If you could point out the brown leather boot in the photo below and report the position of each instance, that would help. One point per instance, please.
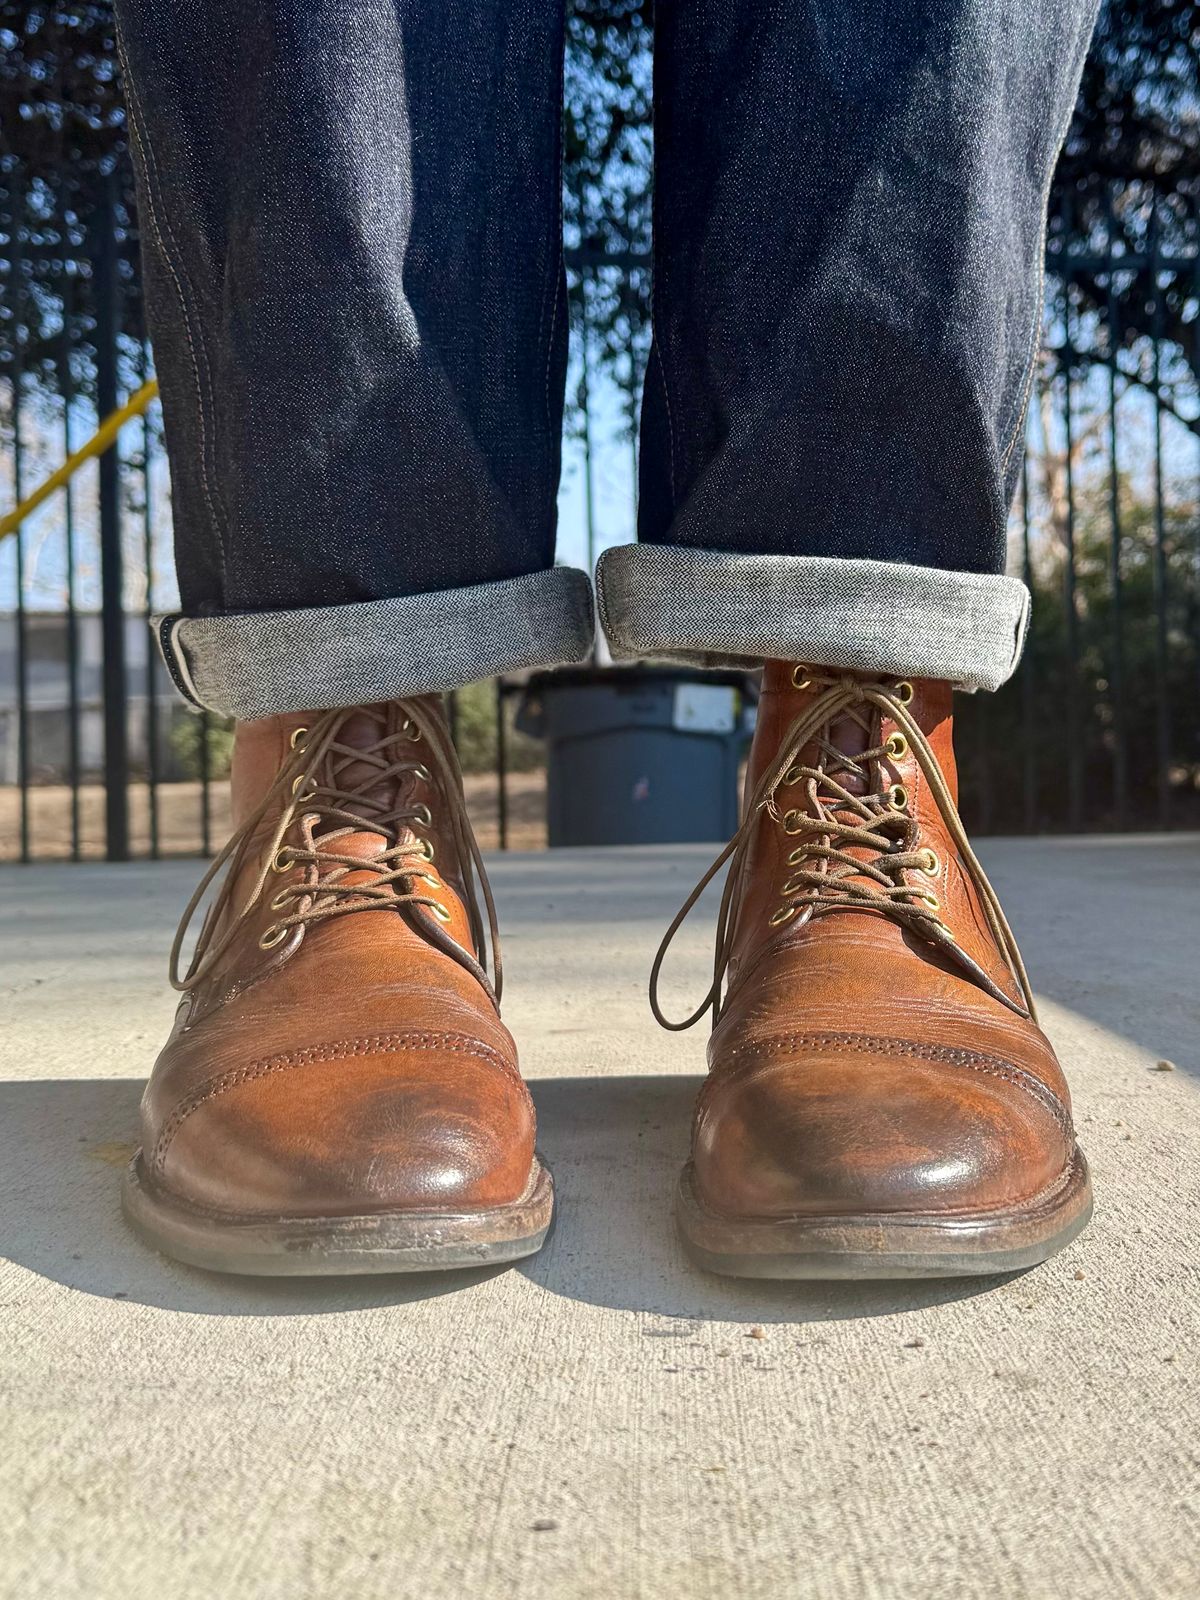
(339, 1094)
(881, 1102)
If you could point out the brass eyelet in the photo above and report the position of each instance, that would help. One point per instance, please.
(792, 887)
(787, 822)
(904, 692)
(423, 814)
(784, 914)
(792, 777)
(801, 676)
(898, 797)
(283, 900)
(427, 877)
(282, 862)
(274, 935)
(798, 855)
(932, 864)
(931, 900)
(897, 746)
(298, 737)
(441, 912)
(301, 780)
(425, 846)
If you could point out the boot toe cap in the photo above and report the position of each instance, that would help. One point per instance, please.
(863, 1134)
(355, 1128)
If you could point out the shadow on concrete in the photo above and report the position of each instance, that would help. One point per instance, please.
(64, 1143)
(615, 1145)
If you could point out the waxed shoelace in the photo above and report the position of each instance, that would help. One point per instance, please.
(324, 811)
(839, 879)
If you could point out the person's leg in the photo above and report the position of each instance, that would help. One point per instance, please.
(850, 211)
(350, 224)
(849, 207)
(350, 218)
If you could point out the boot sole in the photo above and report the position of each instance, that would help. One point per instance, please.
(886, 1245)
(385, 1241)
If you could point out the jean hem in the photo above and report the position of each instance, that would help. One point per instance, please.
(721, 609)
(259, 664)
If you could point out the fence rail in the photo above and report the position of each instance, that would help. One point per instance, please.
(1098, 730)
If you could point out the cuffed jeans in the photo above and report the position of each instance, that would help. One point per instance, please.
(351, 224)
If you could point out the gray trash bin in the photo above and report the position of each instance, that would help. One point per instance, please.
(639, 755)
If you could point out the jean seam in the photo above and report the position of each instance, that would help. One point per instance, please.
(201, 373)
(558, 271)
(662, 378)
(1018, 420)
(1030, 365)
(1022, 628)
(601, 593)
(558, 258)
(165, 633)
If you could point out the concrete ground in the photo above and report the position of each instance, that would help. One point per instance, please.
(604, 1420)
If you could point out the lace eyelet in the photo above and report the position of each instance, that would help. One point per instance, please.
(411, 731)
(787, 822)
(282, 862)
(441, 912)
(898, 797)
(282, 900)
(801, 676)
(274, 935)
(298, 737)
(301, 783)
(792, 887)
(427, 877)
(792, 777)
(784, 914)
(932, 864)
(897, 746)
(425, 846)
(422, 773)
(931, 900)
(422, 814)
(797, 856)
(904, 692)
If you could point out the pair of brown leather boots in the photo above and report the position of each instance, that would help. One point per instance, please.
(340, 1095)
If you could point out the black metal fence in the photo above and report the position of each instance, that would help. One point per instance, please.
(1099, 729)
(1101, 726)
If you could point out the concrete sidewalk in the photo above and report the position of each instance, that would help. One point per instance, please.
(604, 1421)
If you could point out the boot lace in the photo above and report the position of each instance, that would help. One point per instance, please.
(335, 789)
(871, 818)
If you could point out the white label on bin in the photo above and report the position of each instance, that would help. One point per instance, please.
(705, 708)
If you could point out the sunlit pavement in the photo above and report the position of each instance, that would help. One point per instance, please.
(604, 1421)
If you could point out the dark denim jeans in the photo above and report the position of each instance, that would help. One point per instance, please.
(351, 216)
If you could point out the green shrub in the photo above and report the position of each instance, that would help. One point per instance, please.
(188, 737)
(475, 732)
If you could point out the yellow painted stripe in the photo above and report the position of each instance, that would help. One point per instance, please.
(100, 441)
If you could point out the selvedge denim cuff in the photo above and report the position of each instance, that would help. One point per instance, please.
(257, 664)
(711, 608)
